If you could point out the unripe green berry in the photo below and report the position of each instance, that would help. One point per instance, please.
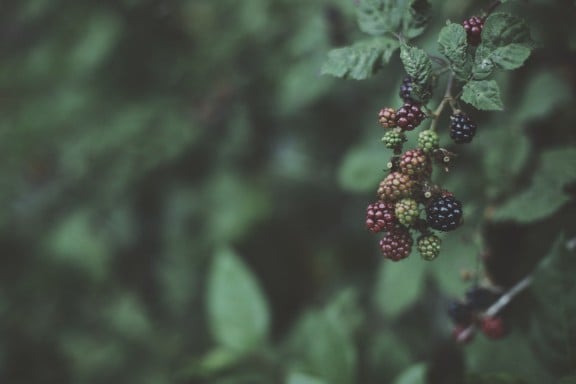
(393, 139)
(406, 211)
(429, 246)
(428, 141)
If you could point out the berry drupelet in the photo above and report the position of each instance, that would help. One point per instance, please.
(462, 128)
(380, 217)
(406, 210)
(415, 163)
(428, 246)
(409, 116)
(444, 213)
(395, 186)
(473, 27)
(428, 141)
(397, 244)
(393, 139)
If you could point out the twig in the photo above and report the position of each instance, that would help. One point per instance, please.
(446, 99)
(492, 8)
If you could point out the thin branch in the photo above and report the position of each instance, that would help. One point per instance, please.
(446, 99)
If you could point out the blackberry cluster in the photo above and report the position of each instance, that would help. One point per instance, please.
(409, 116)
(397, 244)
(444, 213)
(473, 27)
(406, 90)
(462, 128)
(465, 314)
(380, 217)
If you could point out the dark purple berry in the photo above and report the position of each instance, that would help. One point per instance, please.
(481, 298)
(460, 313)
(406, 90)
(397, 244)
(462, 128)
(380, 217)
(444, 213)
(409, 116)
(473, 27)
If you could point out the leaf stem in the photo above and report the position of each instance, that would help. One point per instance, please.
(492, 8)
(446, 99)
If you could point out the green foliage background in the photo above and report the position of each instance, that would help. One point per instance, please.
(183, 197)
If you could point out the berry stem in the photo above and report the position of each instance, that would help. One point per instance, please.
(492, 8)
(446, 99)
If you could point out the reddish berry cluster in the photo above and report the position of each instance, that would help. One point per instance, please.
(473, 27)
(469, 313)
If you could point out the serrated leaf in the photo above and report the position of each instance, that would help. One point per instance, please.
(416, 374)
(508, 57)
(501, 29)
(554, 318)
(483, 95)
(452, 44)
(361, 60)
(377, 17)
(545, 195)
(398, 285)
(237, 310)
(417, 64)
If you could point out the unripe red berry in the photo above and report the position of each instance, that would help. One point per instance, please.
(380, 217)
(395, 186)
(493, 327)
(397, 244)
(409, 116)
(387, 117)
(415, 163)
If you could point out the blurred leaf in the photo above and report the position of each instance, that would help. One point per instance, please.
(399, 285)
(505, 150)
(545, 195)
(361, 60)
(359, 171)
(127, 316)
(533, 105)
(301, 378)
(483, 95)
(494, 378)
(321, 347)
(452, 44)
(237, 310)
(501, 29)
(377, 17)
(568, 380)
(417, 64)
(416, 374)
(554, 319)
(382, 362)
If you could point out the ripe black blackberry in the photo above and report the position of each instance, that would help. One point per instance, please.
(409, 116)
(462, 128)
(397, 244)
(460, 313)
(480, 298)
(444, 213)
(380, 217)
(473, 27)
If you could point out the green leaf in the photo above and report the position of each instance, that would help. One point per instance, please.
(533, 105)
(545, 195)
(377, 17)
(398, 285)
(508, 57)
(417, 64)
(237, 310)
(483, 95)
(494, 378)
(301, 378)
(452, 44)
(322, 348)
(554, 318)
(416, 374)
(361, 60)
(361, 168)
(501, 29)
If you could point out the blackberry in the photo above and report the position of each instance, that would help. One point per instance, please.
(406, 210)
(462, 128)
(444, 213)
(393, 139)
(395, 186)
(428, 246)
(387, 117)
(493, 327)
(409, 116)
(397, 244)
(473, 27)
(460, 313)
(380, 217)
(406, 90)
(415, 163)
(428, 141)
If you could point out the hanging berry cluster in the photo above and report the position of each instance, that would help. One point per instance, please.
(408, 200)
